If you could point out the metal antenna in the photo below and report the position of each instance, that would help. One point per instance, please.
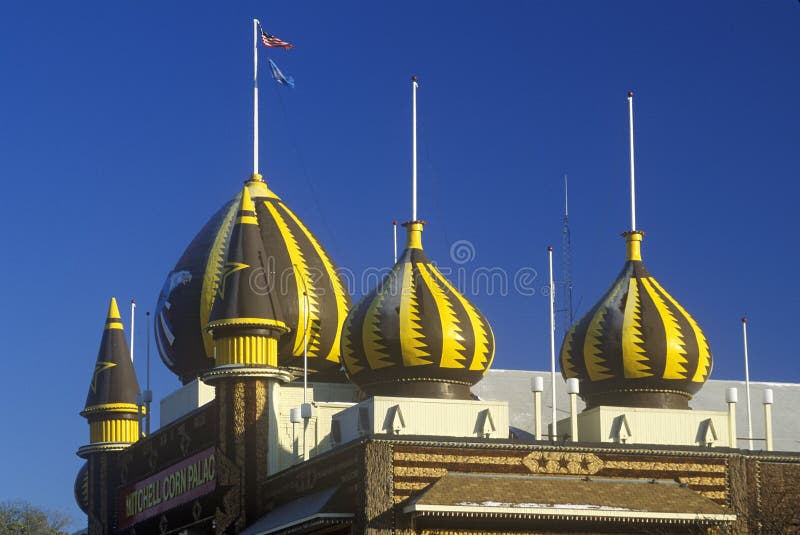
(148, 394)
(566, 261)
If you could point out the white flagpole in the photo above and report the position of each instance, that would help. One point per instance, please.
(133, 321)
(414, 86)
(394, 225)
(255, 96)
(747, 384)
(554, 434)
(633, 181)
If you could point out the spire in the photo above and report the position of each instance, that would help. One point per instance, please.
(244, 308)
(113, 380)
(111, 402)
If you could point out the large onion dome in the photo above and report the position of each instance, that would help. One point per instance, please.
(299, 263)
(81, 488)
(415, 334)
(637, 347)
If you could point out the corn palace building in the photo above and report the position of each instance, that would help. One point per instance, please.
(391, 434)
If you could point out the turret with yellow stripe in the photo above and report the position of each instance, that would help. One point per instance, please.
(637, 347)
(246, 319)
(111, 403)
(299, 263)
(415, 334)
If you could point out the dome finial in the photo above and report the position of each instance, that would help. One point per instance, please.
(414, 86)
(633, 175)
(633, 244)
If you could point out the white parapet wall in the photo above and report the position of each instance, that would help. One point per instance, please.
(421, 416)
(631, 425)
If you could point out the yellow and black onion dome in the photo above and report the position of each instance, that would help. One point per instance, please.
(81, 488)
(414, 334)
(637, 347)
(187, 297)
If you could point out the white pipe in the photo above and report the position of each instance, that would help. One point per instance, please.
(537, 386)
(414, 86)
(255, 96)
(633, 181)
(731, 397)
(133, 324)
(305, 345)
(768, 399)
(554, 434)
(747, 384)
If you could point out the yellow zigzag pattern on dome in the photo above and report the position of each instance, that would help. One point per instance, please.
(482, 358)
(306, 284)
(591, 345)
(412, 344)
(634, 359)
(704, 356)
(374, 348)
(674, 367)
(348, 351)
(566, 357)
(212, 273)
(452, 335)
(336, 284)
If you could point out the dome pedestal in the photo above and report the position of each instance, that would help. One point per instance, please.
(651, 400)
(426, 389)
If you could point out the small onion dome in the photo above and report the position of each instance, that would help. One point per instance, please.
(81, 488)
(246, 318)
(188, 295)
(637, 347)
(111, 403)
(414, 334)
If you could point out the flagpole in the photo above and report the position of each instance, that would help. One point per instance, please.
(747, 384)
(255, 96)
(414, 86)
(133, 323)
(554, 433)
(394, 225)
(633, 181)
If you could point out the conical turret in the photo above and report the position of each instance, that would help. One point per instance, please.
(111, 402)
(246, 319)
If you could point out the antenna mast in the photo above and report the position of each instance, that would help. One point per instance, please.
(566, 261)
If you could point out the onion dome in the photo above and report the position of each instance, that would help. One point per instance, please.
(111, 403)
(81, 488)
(637, 347)
(188, 295)
(415, 334)
(246, 318)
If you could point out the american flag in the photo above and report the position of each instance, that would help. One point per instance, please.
(273, 42)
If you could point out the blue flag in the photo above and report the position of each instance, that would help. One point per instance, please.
(278, 76)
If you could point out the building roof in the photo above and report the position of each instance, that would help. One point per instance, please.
(542, 497)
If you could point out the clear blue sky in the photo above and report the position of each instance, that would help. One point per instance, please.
(125, 125)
